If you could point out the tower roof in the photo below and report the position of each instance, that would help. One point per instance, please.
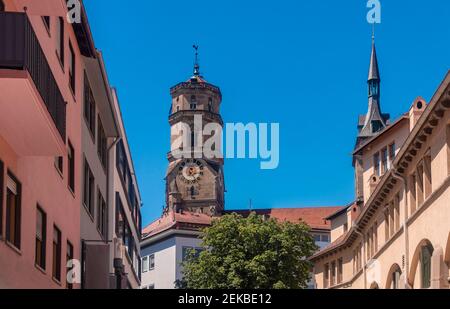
(374, 121)
(196, 81)
(374, 72)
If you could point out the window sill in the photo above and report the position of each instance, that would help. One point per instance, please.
(59, 171)
(72, 92)
(42, 270)
(60, 62)
(14, 248)
(101, 162)
(58, 282)
(88, 212)
(71, 191)
(86, 122)
(101, 234)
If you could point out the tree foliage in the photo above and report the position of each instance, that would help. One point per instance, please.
(251, 253)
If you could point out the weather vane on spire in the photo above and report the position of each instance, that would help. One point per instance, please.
(196, 65)
(373, 31)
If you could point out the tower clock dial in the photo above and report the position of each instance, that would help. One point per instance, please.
(191, 171)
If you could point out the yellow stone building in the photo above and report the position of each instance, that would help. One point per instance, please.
(397, 233)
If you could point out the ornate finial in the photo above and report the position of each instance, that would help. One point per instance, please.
(196, 65)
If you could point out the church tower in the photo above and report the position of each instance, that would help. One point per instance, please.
(194, 180)
(372, 123)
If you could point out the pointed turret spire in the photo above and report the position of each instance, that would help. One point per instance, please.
(374, 72)
(374, 121)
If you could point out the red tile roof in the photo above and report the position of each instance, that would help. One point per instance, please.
(172, 220)
(313, 216)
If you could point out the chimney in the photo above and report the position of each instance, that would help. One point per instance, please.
(416, 110)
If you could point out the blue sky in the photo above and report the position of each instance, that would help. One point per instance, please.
(302, 64)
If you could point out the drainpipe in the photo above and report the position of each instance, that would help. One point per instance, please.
(364, 256)
(117, 263)
(402, 178)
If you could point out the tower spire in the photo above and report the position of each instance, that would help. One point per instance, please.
(374, 72)
(374, 120)
(196, 65)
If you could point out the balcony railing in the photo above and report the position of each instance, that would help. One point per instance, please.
(20, 50)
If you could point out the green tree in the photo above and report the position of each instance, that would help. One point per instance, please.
(250, 253)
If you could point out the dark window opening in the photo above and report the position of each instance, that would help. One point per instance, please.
(210, 105)
(46, 20)
(192, 140)
(69, 258)
(71, 171)
(101, 215)
(60, 43)
(72, 68)
(56, 253)
(376, 163)
(425, 263)
(59, 164)
(101, 143)
(89, 106)
(376, 126)
(13, 211)
(193, 102)
(41, 230)
(88, 192)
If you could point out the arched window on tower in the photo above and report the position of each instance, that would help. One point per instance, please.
(210, 104)
(193, 102)
(192, 191)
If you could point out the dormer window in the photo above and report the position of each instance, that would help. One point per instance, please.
(193, 102)
(376, 126)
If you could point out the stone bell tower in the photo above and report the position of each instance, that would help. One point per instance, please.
(194, 179)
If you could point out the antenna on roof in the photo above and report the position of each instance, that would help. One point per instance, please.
(250, 205)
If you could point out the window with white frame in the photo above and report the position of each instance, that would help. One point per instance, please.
(151, 262)
(145, 264)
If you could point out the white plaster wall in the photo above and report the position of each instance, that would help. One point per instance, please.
(163, 276)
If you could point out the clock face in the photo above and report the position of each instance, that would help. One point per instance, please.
(191, 171)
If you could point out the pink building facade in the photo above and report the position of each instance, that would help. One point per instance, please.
(44, 147)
